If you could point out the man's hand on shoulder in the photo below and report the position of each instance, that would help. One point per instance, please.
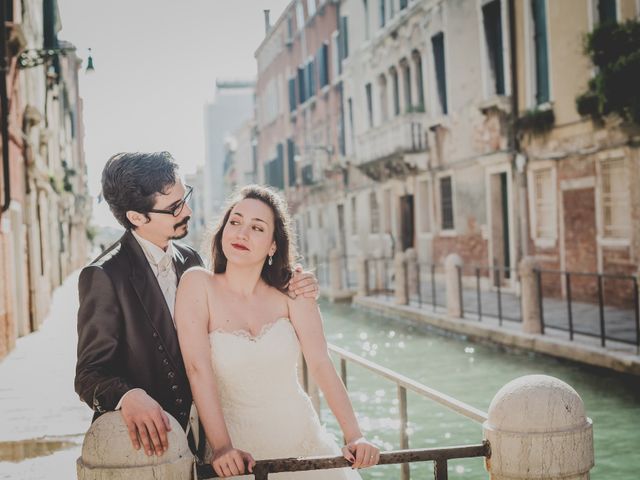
(146, 422)
(303, 283)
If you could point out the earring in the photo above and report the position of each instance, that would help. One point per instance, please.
(270, 262)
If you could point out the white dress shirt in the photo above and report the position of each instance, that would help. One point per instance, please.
(161, 263)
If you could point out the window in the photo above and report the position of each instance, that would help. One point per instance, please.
(344, 40)
(417, 61)
(292, 94)
(616, 205)
(384, 108)
(300, 15)
(403, 4)
(544, 204)
(322, 60)
(381, 7)
(291, 161)
(274, 169)
(374, 210)
(446, 203)
(369, 104)
(492, 20)
(437, 43)
(424, 212)
(354, 217)
(396, 91)
(366, 19)
(301, 86)
(539, 15)
(406, 78)
(311, 8)
(607, 12)
(289, 28)
(335, 55)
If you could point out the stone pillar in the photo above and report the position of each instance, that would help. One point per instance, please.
(107, 453)
(537, 428)
(531, 322)
(335, 271)
(363, 276)
(411, 257)
(400, 271)
(451, 265)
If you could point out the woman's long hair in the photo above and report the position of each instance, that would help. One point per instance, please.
(279, 273)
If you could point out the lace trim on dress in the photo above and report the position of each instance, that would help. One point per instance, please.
(242, 333)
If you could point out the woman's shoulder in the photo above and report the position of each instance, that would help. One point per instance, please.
(196, 275)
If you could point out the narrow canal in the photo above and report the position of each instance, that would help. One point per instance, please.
(472, 373)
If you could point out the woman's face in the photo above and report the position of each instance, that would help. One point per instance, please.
(247, 237)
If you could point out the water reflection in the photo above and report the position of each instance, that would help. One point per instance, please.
(18, 451)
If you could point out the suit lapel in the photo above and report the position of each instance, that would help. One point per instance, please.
(179, 262)
(151, 298)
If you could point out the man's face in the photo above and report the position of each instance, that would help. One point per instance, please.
(163, 227)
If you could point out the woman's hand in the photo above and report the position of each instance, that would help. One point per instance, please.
(361, 453)
(229, 461)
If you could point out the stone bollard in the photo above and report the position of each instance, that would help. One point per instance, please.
(411, 257)
(335, 271)
(531, 321)
(363, 276)
(538, 429)
(451, 265)
(400, 271)
(107, 454)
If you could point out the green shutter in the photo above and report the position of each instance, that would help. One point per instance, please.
(493, 34)
(291, 161)
(607, 11)
(538, 8)
(437, 43)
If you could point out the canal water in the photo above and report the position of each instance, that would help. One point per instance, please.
(472, 373)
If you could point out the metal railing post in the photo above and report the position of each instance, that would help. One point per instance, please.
(440, 469)
(569, 309)
(499, 298)
(433, 285)
(419, 282)
(601, 309)
(478, 294)
(404, 438)
(540, 301)
(636, 302)
(460, 293)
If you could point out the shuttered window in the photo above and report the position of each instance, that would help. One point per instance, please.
(301, 85)
(369, 104)
(616, 204)
(539, 15)
(291, 162)
(607, 11)
(437, 44)
(322, 61)
(446, 203)
(292, 94)
(492, 19)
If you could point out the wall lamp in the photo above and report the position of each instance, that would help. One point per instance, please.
(38, 56)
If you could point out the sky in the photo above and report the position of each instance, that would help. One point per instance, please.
(156, 63)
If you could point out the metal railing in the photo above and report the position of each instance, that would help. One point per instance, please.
(615, 297)
(428, 289)
(404, 456)
(495, 301)
(380, 276)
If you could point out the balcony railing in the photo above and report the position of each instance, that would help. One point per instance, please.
(403, 134)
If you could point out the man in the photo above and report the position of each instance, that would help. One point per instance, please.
(128, 353)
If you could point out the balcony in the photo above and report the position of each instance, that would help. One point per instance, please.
(395, 149)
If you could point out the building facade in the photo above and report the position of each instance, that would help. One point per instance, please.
(44, 226)
(456, 130)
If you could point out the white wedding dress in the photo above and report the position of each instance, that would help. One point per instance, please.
(266, 411)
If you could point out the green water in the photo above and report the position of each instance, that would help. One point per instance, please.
(472, 373)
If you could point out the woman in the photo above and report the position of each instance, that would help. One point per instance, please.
(242, 360)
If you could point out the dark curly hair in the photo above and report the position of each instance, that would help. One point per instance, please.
(132, 181)
(279, 273)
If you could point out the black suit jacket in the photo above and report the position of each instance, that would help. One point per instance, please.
(126, 336)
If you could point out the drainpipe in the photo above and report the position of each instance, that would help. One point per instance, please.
(4, 120)
(515, 141)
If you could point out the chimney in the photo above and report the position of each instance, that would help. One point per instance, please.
(267, 22)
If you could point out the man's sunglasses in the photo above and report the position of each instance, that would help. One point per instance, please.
(177, 208)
